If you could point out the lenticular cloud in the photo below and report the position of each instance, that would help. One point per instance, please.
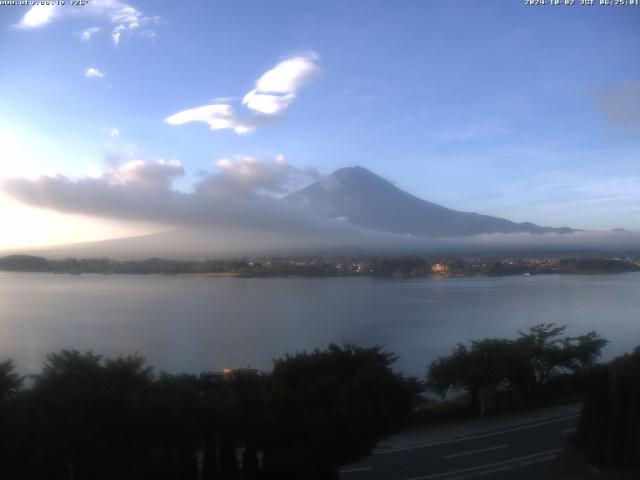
(274, 92)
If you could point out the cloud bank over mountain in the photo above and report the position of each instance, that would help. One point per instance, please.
(243, 208)
(242, 193)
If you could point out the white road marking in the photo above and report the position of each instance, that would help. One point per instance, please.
(548, 456)
(473, 437)
(475, 451)
(351, 470)
(571, 430)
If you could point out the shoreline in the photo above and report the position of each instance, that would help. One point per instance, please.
(299, 276)
(402, 267)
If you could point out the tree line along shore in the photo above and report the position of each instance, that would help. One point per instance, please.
(85, 416)
(340, 266)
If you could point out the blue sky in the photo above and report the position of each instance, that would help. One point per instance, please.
(529, 113)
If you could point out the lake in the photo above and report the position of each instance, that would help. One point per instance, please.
(191, 324)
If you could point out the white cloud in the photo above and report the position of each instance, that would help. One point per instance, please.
(244, 174)
(149, 35)
(39, 15)
(289, 75)
(117, 32)
(247, 176)
(148, 175)
(111, 131)
(86, 35)
(267, 104)
(218, 116)
(223, 99)
(94, 73)
(125, 17)
(275, 91)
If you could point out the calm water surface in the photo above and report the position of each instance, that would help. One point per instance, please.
(193, 323)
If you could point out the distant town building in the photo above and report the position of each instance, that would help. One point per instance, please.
(439, 268)
(229, 372)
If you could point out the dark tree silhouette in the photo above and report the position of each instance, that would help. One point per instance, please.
(250, 464)
(487, 364)
(10, 382)
(11, 433)
(86, 417)
(210, 459)
(524, 366)
(609, 427)
(331, 407)
(229, 467)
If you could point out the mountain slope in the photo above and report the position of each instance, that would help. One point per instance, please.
(369, 201)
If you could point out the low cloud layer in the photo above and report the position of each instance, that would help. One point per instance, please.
(237, 209)
(242, 193)
(274, 92)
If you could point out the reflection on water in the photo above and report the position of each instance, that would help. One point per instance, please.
(195, 323)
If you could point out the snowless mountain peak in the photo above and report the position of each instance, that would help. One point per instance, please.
(369, 201)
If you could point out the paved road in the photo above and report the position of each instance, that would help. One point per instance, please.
(520, 451)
